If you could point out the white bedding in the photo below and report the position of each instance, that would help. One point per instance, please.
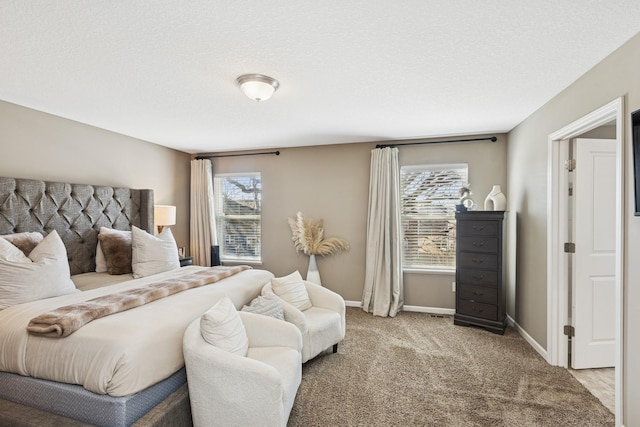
(88, 281)
(123, 353)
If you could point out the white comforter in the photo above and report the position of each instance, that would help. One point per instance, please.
(123, 353)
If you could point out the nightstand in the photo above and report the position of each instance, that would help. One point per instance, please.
(184, 261)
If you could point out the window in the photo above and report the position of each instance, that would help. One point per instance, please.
(429, 195)
(238, 205)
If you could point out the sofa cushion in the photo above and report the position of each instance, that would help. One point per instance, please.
(324, 326)
(287, 362)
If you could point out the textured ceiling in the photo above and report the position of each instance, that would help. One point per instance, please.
(164, 71)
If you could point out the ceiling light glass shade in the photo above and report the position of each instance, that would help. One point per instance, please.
(257, 86)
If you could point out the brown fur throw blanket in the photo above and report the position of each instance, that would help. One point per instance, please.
(64, 321)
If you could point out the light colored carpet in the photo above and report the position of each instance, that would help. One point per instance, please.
(421, 370)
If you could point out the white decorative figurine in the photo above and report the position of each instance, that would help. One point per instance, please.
(495, 201)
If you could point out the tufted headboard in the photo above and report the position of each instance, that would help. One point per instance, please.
(75, 211)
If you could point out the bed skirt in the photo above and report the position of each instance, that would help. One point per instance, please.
(73, 401)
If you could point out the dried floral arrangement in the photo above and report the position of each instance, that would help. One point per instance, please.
(308, 237)
(465, 190)
(465, 198)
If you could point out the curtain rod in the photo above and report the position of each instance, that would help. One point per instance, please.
(492, 139)
(277, 153)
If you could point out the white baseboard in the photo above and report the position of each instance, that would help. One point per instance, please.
(528, 338)
(420, 309)
(432, 310)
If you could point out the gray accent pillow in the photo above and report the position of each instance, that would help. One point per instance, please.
(267, 305)
(117, 252)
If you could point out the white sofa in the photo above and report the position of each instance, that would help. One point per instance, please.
(322, 325)
(257, 390)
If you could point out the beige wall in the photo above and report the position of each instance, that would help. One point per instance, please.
(618, 75)
(37, 145)
(332, 183)
(487, 167)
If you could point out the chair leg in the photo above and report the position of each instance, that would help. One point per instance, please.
(335, 348)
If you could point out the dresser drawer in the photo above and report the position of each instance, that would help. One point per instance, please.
(478, 309)
(478, 294)
(477, 260)
(470, 276)
(479, 244)
(477, 228)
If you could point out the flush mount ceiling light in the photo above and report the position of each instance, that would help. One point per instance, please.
(257, 86)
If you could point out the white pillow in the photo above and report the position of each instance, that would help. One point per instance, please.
(267, 305)
(43, 274)
(221, 326)
(25, 241)
(291, 289)
(153, 254)
(10, 253)
(101, 261)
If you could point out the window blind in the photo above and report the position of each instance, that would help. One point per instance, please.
(238, 206)
(429, 195)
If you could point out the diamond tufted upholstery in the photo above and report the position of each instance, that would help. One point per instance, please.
(75, 211)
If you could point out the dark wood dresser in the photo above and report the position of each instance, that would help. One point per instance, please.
(480, 276)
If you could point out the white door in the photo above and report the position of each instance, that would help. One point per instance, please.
(593, 284)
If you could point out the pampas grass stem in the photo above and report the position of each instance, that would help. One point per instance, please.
(308, 237)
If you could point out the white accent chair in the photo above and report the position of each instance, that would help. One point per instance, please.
(257, 390)
(322, 325)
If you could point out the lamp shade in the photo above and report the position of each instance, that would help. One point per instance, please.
(257, 86)
(164, 215)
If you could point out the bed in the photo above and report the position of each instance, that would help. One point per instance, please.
(119, 370)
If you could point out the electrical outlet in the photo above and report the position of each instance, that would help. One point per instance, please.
(453, 286)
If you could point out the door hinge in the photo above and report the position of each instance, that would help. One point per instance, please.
(570, 191)
(570, 248)
(570, 165)
(569, 330)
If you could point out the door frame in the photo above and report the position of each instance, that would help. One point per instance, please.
(557, 232)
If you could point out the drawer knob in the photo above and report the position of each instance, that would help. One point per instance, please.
(477, 245)
(477, 310)
(478, 277)
(478, 227)
(477, 293)
(477, 261)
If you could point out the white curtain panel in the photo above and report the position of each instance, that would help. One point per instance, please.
(383, 287)
(203, 221)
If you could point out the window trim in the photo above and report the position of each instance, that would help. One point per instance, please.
(414, 270)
